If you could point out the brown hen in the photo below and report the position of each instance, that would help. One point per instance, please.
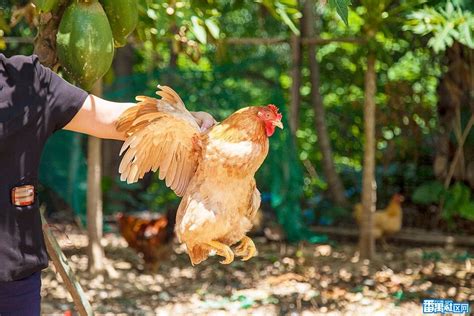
(213, 171)
(150, 237)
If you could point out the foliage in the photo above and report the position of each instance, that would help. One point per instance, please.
(406, 107)
(428, 193)
(284, 10)
(445, 25)
(457, 199)
(341, 7)
(185, 44)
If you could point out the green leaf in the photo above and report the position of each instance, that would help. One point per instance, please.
(212, 28)
(428, 193)
(467, 211)
(342, 9)
(286, 19)
(198, 30)
(441, 40)
(466, 35)
(457, 196)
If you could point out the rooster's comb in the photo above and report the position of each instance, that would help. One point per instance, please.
(275, 110)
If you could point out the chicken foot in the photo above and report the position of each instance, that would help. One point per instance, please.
(222, 250)
(246, 249)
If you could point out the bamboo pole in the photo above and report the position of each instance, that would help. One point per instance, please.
(459, 151)
(283, 40)
(417, 236)
(18, 40)
(243, 40)
(256, 41)
(62, 267)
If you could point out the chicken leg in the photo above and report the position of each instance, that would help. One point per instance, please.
(246, 249)
(222, 250)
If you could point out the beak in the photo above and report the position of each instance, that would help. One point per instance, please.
(278, 124)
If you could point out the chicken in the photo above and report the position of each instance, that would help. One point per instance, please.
(150, 237)
(387, 221)
(213, 171)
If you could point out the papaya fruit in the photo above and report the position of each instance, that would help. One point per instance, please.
(123, 18)
(46, 5)
(85, 43)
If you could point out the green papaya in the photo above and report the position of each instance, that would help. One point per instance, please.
(85, 43)
(123, 18)
(46, 5)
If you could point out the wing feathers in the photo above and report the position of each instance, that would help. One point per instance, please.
(162, 137)
(170, 96)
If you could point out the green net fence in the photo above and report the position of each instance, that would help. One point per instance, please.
(219, 91)
(63, 169)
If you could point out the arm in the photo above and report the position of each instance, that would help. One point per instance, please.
(97, 118)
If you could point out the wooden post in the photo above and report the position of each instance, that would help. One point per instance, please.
(94, 199)
(369, 186)
(60, 262)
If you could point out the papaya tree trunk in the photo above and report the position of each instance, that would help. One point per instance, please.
(45, 41)
(335, 187)
(369, 186)
(94, 199)
(123, 69)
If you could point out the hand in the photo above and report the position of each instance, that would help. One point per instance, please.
(204, 120)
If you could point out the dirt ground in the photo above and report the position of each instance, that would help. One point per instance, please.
(283, 279)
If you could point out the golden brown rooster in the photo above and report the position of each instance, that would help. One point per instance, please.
(214, 171)
(387, 221)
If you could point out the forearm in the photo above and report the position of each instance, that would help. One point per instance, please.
(97, 118)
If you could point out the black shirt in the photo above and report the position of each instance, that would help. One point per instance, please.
(34, 103)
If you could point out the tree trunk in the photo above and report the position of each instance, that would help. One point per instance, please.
(123, 68)
(295, 98)
(455, 105)
(369, 186)
(45, 41)
(335, 187)
(94, 199)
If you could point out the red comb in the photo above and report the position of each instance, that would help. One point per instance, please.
(275, 110)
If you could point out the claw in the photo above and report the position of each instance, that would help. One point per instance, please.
(246, 249)
(222, 250)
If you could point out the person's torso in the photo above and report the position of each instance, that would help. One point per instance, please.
(22, 137)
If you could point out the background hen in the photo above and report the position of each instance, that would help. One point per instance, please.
(151, 237)
(387, 221)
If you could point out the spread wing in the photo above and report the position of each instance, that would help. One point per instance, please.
(161, 134)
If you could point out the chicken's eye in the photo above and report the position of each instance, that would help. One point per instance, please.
(267, 115)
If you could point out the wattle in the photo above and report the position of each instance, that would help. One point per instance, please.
(269, 129)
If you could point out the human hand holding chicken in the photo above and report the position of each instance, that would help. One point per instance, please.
(213, 170)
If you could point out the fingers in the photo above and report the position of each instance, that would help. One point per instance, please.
(204, 120)
(207, 124)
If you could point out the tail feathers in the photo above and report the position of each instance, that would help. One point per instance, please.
(198, 254)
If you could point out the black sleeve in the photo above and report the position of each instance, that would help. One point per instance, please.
(63, 100)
